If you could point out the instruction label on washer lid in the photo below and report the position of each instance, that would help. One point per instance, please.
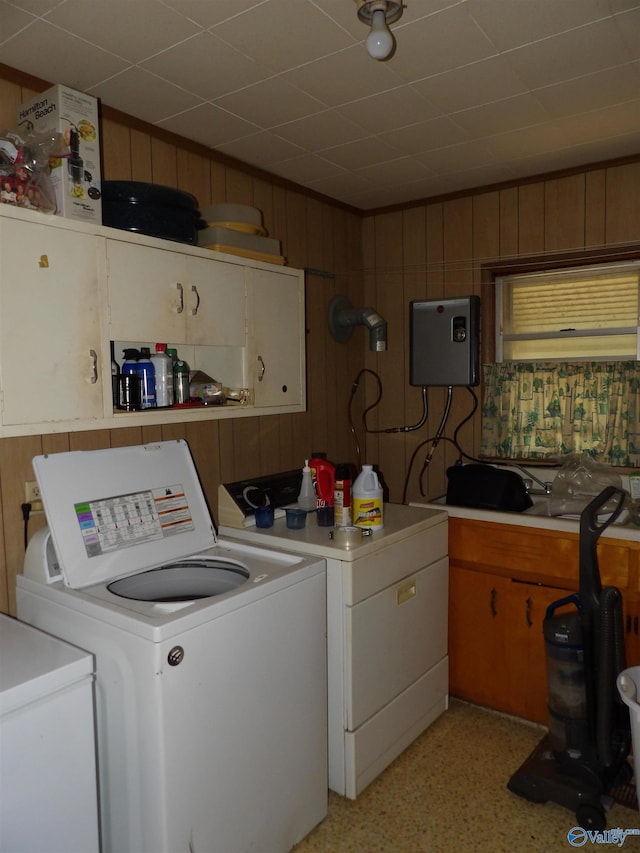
(634, 486)
(110, 524)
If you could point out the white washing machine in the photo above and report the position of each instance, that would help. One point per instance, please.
(211, 696)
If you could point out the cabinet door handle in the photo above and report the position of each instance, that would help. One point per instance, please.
(405, 592)
(194, 289)
(180, 307)
(528, 612)
(262, 368)
(94, 366)
(493, 602)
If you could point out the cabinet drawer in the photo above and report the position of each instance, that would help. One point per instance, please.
(535, 554)
(367, 575)
(393, 638)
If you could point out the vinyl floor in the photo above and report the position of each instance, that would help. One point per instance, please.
(447, 794)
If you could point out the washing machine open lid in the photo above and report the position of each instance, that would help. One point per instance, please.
(118, 511)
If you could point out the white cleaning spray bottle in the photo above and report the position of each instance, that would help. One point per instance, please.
(307, 493)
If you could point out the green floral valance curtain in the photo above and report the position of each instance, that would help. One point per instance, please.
(537, 410)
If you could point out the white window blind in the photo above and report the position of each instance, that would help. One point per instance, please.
(581, 313)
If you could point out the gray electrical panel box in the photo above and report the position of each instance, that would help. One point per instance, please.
(445, 341)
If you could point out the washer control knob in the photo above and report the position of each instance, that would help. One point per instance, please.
(175, 656)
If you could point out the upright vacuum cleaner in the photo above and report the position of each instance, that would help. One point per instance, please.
(584, 754)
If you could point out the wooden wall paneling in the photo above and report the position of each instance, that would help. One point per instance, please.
(227, 452)
(238, 187)
(390, 365)
(486, 245)
(116, 151)
(272, 452)
(458, 279)
(509, 221)
(414, 287)
(564, 220)
(94, 439)
(623, 204)
(202, 438)
(296, 229)
(321, 348)
(529, 221)
(141, 159)
(218, 182)
(16, 455)
(164, 165)
(486, 230)
(193, 176)
(280, 216)
(427, 481)
(594, 223)
(263, 199)
(11, 97)
(248, 459)
(130, 436)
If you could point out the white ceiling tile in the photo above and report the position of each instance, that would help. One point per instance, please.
(12, 20)
(471, 85)
(344, 77)
(440, 42)
(66, 60)
(457, 158)
(572, 97)
(319, 131)
(260, 149)
(207, 13)
(591, 48)
(305, 34)
(542, 138)
(133, 30)
(130, 90)
(352, 155)
(394, 172)
(426, 135)
(208, 125)
(618, 120)
(499, 116)
(206, 66)
(389, 110)
(511, 23)
(270, 103)
(309, 167)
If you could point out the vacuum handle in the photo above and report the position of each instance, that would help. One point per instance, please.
(590, 528)
(569, 599)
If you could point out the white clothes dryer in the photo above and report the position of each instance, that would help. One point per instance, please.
(211, 696)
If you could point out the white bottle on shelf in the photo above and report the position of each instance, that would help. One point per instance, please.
(163, 366)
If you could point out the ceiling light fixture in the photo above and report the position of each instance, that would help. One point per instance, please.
(379, 14)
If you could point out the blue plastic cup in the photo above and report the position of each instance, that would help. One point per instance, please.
(296, 518)
(264, 516)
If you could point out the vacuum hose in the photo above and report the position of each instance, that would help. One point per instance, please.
(612, 736)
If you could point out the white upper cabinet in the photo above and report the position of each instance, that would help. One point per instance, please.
(51, 348)
(68, 289)
(160, 295)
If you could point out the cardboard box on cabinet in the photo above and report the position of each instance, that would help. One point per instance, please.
(76, 178)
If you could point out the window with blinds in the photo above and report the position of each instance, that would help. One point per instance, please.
(573, 314)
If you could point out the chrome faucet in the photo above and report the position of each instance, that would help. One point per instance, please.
(530, 478)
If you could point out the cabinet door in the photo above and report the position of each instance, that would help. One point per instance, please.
(50, 342)
(631, 622)
(215, 303)
(477, 632)
(276, 315)
(147, 293)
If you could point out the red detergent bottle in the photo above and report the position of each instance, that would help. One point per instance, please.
(323, 474)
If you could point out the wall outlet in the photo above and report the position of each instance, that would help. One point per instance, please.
(32, 496)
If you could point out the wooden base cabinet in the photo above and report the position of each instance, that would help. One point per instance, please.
(502, 580)
(496, 644)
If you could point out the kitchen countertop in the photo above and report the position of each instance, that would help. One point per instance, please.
(627, 532)
(397, 518)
